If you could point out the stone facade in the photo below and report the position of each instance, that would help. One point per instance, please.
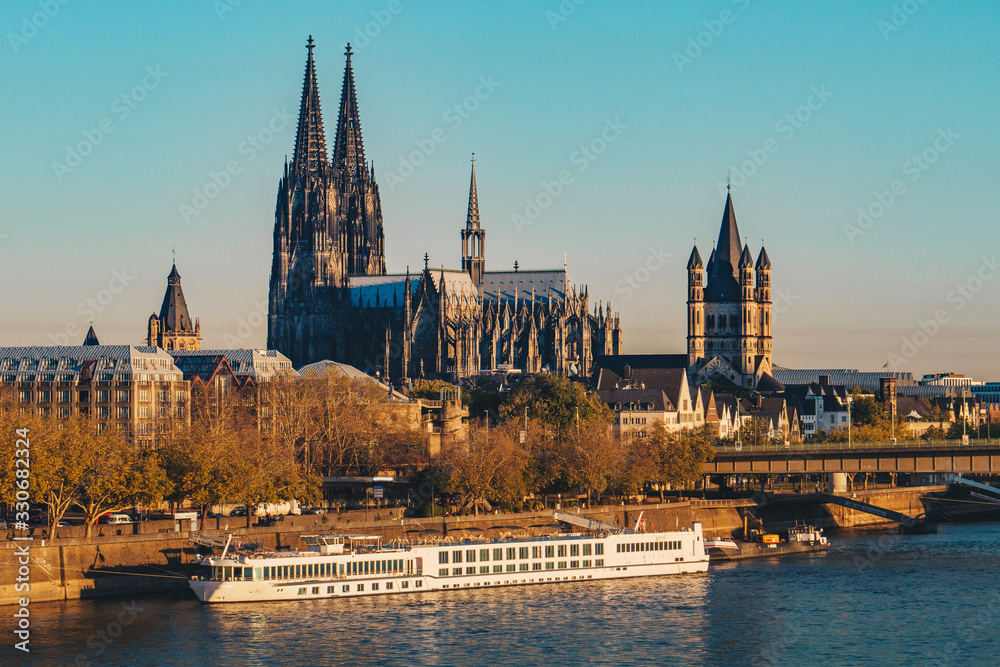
(332, 299)
(729, 319)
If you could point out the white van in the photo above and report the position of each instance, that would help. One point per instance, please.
(115, 518)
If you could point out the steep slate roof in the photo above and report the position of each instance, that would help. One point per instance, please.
(456, 282)
(503, 285)
(694, 261)
(174, 311)
(639, 399)
(91, 338)
(763, 261)
(723, 275)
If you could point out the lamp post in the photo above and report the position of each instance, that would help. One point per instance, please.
(850, 399)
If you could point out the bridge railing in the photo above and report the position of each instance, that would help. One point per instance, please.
(859, 446)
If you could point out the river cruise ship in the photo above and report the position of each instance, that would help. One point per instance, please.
(335, 566)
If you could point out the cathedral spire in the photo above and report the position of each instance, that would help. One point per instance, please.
(310, 140)
(472, 218)
(348, 149)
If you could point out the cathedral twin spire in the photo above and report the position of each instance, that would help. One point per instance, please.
(310, 140)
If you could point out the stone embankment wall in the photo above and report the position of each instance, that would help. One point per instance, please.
(154, 556)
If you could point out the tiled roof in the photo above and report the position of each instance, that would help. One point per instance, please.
(636, 399)
(844, 377)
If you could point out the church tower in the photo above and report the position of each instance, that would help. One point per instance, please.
(327, 226)
(696, 308)
(474, 236)
(729, 323)
(172, 329)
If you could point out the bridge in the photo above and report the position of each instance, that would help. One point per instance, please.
(932, 456)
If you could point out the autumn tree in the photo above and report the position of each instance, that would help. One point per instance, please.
(491, 466)
(592, 456)
(677, 458)
(557, 402)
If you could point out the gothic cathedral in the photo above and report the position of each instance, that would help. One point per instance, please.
(331, 298)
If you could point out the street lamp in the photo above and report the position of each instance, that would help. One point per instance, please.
(850, 399)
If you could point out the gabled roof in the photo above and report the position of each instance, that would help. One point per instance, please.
(504, 285)
(637, 399)
(205, 367)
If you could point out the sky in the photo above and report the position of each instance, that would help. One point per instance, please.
(861, 141)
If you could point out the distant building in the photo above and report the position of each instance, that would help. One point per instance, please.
(947, 380)
(132, 388)
(173, 329)
(330, 296)
(729, 318)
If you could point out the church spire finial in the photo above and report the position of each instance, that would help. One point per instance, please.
(729, 180)
(310, 139)
(472, 217)
(348, 148)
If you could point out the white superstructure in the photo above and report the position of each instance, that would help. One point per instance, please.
(336, 566)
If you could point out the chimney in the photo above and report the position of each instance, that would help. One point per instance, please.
(824, 380)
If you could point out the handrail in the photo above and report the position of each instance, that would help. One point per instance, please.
(808, 447)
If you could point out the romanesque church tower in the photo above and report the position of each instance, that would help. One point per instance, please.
(729, 318)
(327, 226)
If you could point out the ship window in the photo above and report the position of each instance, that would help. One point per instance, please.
(536, 552)
(470, 570)
(522, 553)
(562, 551)
(361, 588)
(309, 570)
(550, 551)
(443, 558)
(258, 573)
(562, 565)
(405, 584)
(419, 584)
(470, 556)
(315, 590)
(374, 587)
(511, 568)
(298, 571)
(574, 550)
(456, 571)
(346, 588)
(599, 562)
(388, 585)
(498, 568)
(511, 553)
(227, 573)
(484, 569)
(618, 548)
(586, 563)
(550, 566)
(456, 556)
(599, 549)
(329, 590)
(443, 572)
(523, 567)
(574, 563)
(536, 566)
(586, 549)
(484, 554)
(302, 591)
(642, 546)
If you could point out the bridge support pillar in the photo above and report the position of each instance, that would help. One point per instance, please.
(838, 482)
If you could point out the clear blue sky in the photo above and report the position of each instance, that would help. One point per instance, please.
(199, 80)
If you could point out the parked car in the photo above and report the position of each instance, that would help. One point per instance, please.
(38, 516)
(239, 511)
(114, 517)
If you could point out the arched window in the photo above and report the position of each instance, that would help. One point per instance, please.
(722, 321)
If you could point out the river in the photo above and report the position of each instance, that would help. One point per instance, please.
(873, 599)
